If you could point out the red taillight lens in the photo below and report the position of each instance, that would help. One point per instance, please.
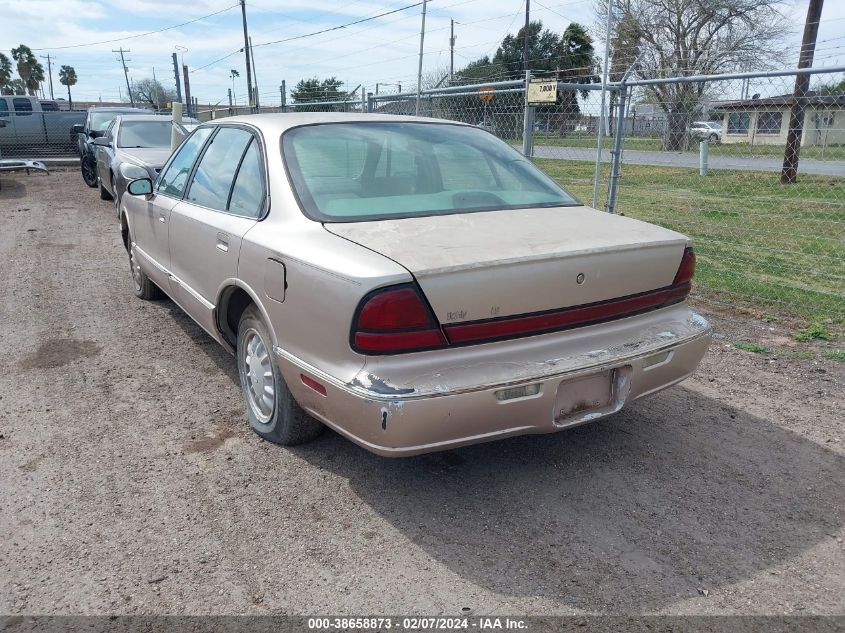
(687, 268)
(395, 320)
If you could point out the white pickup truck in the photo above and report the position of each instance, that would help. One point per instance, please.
(30, 125)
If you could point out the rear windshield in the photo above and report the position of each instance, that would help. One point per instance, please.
(144, 134)
(347, 172)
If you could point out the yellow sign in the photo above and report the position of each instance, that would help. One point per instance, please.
(485, 93)
(542, 91)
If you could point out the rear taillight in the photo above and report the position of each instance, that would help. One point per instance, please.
(687, 268)
(393, 320)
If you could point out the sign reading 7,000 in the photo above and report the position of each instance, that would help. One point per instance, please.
(542, 92)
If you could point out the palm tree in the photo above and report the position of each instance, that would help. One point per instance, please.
(29, 68)
(5, 73)
(67, 77)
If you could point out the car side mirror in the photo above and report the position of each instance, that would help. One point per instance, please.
(95, 133)
(102, 141)
(140, 187)
(78, 128)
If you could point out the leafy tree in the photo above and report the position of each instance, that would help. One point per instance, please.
(16, 87)
(832, 88)
(479, 71)
(152, 92)
(694, 37)
(67, 77)
(575, 62)
(315, 90)
(29, 68)
(5, 73)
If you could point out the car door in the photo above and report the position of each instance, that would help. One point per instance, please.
(105, 153)
(150, 219)
(224, 200)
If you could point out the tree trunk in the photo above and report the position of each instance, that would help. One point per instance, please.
(69, 100)
(676, 138)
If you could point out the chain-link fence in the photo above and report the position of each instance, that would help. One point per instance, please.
(701, 155)
(28, 132)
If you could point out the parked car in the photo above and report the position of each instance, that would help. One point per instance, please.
(414, 284)
(708, 130)
(96, 122)
(133, 146)
(27, 122)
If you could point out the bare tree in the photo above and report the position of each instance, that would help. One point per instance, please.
(681, 38)
(152, 92)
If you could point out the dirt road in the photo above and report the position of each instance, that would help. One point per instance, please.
(130, 482)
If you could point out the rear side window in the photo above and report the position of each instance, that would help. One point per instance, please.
(4, 108)
(215, 172)
(174, 176)
(23, 107)
(247, 197)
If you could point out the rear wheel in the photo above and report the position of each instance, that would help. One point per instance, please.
(271, 409)
(714, 138)
(89, 170)
(143, 287)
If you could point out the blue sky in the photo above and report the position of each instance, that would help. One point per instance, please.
(383, 50)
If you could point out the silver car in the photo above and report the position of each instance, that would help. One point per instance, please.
(132, 146)
(706, 130)
(414, 284)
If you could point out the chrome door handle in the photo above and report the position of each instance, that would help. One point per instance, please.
(162, 219)
(223, 242)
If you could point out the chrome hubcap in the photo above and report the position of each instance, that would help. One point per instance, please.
(260, 383)
(136, 269)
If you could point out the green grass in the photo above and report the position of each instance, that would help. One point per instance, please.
(797, 354)
(813, 332)
(775, 248)
(835, 354)
(655, 144)
(745, 346)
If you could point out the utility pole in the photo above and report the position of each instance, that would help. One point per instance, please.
(187, 88)
(246, 53)
(254, 75)
(527, 124)
(452, 52)
(176, 76)
(125, 73)
(230, 101)
(49, 72)
(419, 68)
(791, 154)
(283, 90)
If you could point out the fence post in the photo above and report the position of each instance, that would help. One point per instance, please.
(616, 153)
(527, 123)
(703, 151)
(370, 102)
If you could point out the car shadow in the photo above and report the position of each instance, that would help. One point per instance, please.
(676, 496)
(11, 188)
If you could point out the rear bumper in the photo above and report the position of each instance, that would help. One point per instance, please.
(417, 403)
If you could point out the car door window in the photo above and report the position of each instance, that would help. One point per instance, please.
(174, 176)
(23, 107)
(247, 197)
(215, 171)
(4, 108)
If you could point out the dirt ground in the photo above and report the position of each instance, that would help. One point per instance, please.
(130, 482)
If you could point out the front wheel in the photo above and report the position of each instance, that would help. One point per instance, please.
(271, 409)
(89, 171)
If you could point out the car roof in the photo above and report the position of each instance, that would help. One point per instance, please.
(275, 124)
(144, 117)
(113, 109)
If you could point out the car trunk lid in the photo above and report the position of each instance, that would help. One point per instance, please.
(489, 265)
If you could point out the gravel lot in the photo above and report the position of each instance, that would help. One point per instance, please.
(130, 482)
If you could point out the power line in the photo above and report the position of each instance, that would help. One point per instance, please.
(132, 37)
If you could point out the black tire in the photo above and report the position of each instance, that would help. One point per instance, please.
(287, 424)
(104, 193)
(143, 287)
(89, 171)
(714, 138)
